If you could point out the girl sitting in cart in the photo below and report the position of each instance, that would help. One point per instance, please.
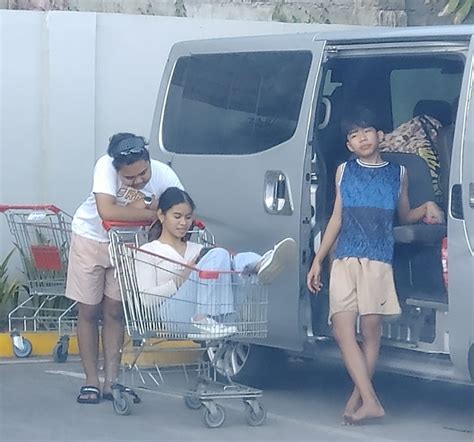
(190, 305)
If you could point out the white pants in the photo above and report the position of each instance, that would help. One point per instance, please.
(213, 296)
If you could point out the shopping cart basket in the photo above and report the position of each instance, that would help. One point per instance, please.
(209, 308)
(42, 235)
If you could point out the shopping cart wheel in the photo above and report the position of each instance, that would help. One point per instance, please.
(192, 402)
(23, 350)
(60, 353)
(255, 413)
(214, 416)
(122, 404)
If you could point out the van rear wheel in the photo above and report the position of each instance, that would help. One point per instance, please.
(247, 363)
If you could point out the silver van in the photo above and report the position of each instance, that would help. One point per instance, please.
(252, 127)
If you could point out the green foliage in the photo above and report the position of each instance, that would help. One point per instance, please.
(8, 289)
(459, 8)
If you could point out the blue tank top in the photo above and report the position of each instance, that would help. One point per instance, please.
(369, 196)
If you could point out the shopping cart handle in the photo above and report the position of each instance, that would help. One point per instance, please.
(199, 224)
(6, 207)
(109, 225)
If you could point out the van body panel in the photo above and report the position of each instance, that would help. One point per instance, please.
(238, 214)
(461, 231)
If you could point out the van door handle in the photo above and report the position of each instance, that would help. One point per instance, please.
(471, 195)
(277, 198)
(456, 201)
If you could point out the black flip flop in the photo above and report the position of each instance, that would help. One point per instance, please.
(107, 396)
(92, 392)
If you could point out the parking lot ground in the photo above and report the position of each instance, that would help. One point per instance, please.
(38, 402)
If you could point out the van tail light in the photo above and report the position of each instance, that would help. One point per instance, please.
(444, 260)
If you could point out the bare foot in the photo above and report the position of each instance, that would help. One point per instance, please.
(367, 412)
(352, 405)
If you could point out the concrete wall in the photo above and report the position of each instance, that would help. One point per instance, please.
(365, 12)
(70, 80)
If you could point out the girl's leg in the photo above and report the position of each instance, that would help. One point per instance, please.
(176, 312)
(215, 297)
(241, 260)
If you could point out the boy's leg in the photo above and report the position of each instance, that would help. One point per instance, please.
(86, 277)
(355, 362)
(88, 342)
(371, 329)
(112, 340)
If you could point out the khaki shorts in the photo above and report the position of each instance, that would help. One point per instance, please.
(90, 274)
(363, 286)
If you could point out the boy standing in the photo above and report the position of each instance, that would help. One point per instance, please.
(368, 191)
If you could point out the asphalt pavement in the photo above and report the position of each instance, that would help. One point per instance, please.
(304, 402)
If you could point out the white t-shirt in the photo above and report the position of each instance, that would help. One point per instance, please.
(159, 275)
(87, 222)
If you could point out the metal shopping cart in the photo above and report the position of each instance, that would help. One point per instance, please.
(160, 314)
(42, 235)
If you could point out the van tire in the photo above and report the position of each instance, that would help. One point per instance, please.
(251, 364)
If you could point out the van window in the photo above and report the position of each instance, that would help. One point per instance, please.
(410, 86)
(234, 104)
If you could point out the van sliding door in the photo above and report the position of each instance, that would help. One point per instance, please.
(232, 119)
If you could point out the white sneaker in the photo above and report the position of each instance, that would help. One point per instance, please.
(275, 260)
(209, 329)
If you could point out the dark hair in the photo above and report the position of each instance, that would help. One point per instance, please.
(359, 118)
(126, 148)
(173, 196)
(169, 198)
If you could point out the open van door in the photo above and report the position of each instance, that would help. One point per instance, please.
(232, 119)
(461, 228)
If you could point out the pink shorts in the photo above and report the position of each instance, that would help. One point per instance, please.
(90, 274)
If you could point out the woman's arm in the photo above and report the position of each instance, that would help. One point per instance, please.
(147, 277)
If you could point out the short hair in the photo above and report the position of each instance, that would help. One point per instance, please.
(359, 118)
(126, 148)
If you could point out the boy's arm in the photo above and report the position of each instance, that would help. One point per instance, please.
(430, 212)
(110, 211)
(330, 235)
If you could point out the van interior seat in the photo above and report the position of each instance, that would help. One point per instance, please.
(420, 190)
(439, 109)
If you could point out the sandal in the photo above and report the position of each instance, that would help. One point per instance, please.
(89, 395)
(107, 396)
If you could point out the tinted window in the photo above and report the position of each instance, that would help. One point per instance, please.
(412, 87)
(237, 103)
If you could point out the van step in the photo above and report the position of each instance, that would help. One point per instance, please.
(435, 305)
(395, 360)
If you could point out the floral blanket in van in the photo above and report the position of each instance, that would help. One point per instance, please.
(417, 136)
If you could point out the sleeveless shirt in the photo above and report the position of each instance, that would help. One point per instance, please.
(369, 194)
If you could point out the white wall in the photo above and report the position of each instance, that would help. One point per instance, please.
(69, 80)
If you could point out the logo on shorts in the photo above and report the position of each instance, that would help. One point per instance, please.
(383, 303)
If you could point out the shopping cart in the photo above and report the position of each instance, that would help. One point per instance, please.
(155, 315)
(42, 235)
